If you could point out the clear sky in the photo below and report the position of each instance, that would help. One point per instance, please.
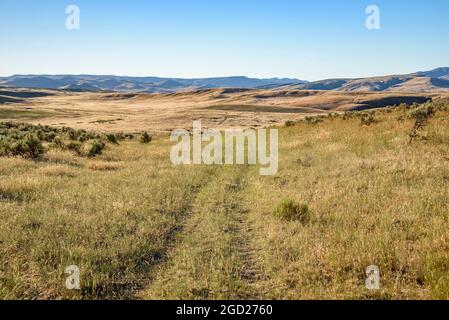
(309, 40)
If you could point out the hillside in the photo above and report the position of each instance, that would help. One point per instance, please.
(424, 81)
(365, 189)
(428, 81)
(217, 108)
(136, 84)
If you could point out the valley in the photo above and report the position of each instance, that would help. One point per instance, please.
(161, 113)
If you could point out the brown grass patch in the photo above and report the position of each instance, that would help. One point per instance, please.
(57, 171)
(104, 166)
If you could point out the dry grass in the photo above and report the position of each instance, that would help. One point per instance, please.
(139, 227)
(104, 166)
(218, 108)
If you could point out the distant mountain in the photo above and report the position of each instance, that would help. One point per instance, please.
(442, 73)
(137, 84)
(423, 81)
(80, 86)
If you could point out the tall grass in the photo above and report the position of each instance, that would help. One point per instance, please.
(139, 227)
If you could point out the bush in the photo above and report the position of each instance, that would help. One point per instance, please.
(28, 147)
(289, 123)
(58, 143)
(289, 210)
(5, 147)
(96, 148)
(367, 119)
(112, 138)
(73, 134)
(83, 137)
(421, 115)
(145, 137)
(74, 146)
(313, 119)
(27, 140)
(332, 115)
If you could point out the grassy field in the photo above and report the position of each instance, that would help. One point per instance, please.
(18, 114)
(139, 227)
(161, 113)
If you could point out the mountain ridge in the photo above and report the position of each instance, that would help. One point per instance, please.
(422, 81)
(137, 84)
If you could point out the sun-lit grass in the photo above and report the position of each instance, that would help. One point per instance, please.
(376, 200)
(23, 114)
(139, 227)
(111, 220)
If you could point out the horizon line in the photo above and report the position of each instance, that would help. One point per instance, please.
(210, 77)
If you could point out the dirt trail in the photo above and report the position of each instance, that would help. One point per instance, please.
(132, 290)
(213, 257)
(250, 271)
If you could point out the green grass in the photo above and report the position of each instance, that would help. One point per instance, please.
(22, 115)
(139, 227)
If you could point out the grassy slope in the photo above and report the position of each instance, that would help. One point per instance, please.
(376, 200)
(139, 227)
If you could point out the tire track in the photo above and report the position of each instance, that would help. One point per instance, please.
(213, 258)
(131, 290)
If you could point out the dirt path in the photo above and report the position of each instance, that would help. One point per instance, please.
(213, 257)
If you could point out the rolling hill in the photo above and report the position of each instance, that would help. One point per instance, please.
(137, 84)
(423, 81)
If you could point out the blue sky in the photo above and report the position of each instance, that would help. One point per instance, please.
(303, 39)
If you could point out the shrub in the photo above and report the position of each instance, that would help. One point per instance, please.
(83, 137)
(27, 140)
(120, 136)
(421, 115)
(112, 138)
(28, 147)
(58, 143)
(73, 134)
(74, 146)
(50, 137)
(96, 148)
(332, 115)
(289, 123)
(367, 119)
(289, 210)
(313, 119)
(5, 147)
(145, 137)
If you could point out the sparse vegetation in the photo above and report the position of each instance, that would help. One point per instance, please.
(96, 148)
(27, 146)
(145, 137)
(367, 119)
(139, 227)
(313, 119)
(289, 210)
(74, 146)
(30, 141)
(421, 115)
(113, 138)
